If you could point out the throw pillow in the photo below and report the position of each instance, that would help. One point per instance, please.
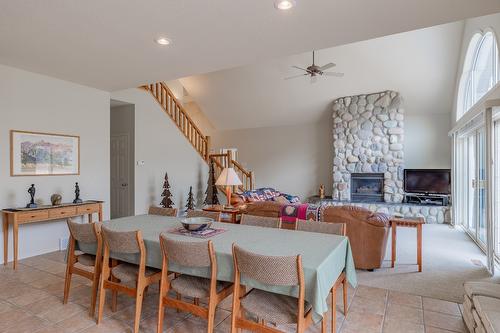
(282, 200)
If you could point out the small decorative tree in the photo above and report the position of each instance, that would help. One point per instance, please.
(166, 202)
(190, 200)
(211, 197)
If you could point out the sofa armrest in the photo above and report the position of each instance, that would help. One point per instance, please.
(482, 288)
(379, 220)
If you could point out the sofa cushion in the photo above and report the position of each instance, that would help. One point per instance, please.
(488, 310)
(482, 288)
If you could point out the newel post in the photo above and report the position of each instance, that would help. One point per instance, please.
(229, 159)
(207, 148)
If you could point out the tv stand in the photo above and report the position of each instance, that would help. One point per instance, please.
(426, 199)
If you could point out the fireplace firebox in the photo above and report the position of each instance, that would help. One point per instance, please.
(367, 187)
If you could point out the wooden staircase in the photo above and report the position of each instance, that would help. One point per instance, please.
(201, 143)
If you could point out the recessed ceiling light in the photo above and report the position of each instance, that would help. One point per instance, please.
(163, 41)
(284, 4)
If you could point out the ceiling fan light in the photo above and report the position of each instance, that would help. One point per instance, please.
(284, 4)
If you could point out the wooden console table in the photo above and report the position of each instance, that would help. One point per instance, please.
(410, 222)
(234, 212)
(17, 216)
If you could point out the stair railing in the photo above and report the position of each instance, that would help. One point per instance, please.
(225, 160)
(173, 107)
(201, 143)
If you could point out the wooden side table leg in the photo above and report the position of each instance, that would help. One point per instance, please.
(5, 238)
(16, 237)
(419, 247)
(100, 212)
(393, 247)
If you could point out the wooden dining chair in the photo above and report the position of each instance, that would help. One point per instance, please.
(191, 255)
(202, 213)
(88, 233)
(267, 306)
(153, 210)
(129, 279)
(333, 229)
(261, 221)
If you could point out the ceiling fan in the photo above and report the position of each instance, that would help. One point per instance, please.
(314, 71)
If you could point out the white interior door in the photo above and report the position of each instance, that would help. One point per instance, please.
(120, 176)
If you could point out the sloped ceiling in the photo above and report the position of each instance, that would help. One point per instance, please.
(421, 64)
(109, 44)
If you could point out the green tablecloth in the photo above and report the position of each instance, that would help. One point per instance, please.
(324, 256)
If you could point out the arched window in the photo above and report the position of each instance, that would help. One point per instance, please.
(480, 72)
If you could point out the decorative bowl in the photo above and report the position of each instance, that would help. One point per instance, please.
(196, 223)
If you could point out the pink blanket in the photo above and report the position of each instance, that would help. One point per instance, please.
(290, 213)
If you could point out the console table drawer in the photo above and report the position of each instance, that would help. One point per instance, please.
(62, 212)
(32, 216)
(87, 209)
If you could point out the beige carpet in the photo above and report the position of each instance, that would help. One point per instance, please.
(449, 259)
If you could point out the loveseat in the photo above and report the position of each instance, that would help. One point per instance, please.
(367, 233)
(482, 306)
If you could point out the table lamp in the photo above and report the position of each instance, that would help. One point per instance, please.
(228, 178)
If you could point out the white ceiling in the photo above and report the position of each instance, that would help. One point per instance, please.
(421, 64)
(109, 44)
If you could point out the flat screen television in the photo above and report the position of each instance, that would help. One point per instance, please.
(428, 181)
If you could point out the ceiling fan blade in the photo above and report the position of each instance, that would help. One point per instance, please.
(294, 76)
(336, 74)
(327, 66)
(302, 69)
(314, 79)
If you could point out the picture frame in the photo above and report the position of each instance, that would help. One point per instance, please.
(43, 154)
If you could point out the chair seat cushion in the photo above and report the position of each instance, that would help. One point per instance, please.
(480, 288)
(488, 310)
(273, 308)
(86, 259)
(128, 272)
(194, 286)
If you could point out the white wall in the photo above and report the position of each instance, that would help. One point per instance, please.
(427, 145)
(472, 26)
(40, 103)
(292, 159)
(297, 159)
(163, 148)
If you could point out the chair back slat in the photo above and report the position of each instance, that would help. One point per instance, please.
(260, 221)
(121, 241)
(271, 270)
(321, 227)
(153, 210)
(185, 253)
(202, 213)
(82, 232)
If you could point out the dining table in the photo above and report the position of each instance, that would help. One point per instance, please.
(324, 256)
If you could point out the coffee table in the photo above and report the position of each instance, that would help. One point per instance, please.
(409, 222)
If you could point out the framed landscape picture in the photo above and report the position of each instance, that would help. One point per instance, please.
(39, 154)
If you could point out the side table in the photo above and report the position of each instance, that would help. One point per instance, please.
(409, 222)
(234, 212)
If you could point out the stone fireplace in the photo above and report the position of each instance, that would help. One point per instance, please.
(367, 187)
(368, 138)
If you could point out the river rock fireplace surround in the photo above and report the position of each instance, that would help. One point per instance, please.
(368, 138)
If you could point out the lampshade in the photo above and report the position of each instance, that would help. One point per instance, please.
(228, 177)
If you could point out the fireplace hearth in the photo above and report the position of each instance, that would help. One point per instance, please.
(367, 187)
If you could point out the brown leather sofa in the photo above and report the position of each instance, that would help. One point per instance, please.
(367, 233)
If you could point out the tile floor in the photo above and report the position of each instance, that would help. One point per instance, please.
(31, 301)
